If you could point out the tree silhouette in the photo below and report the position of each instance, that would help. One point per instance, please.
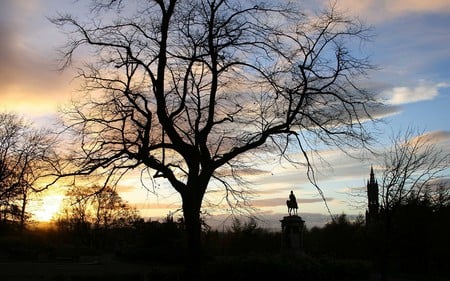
(26, 159)
(96, 207)
(412, 164)
(90, 214)
(411, 171)
(188, 89)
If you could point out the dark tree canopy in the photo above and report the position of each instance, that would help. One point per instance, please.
(187, 88)
(414, 194)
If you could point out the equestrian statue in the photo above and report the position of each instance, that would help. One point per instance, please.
(292, 204)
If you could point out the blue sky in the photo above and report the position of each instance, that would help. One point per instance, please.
(410, 48)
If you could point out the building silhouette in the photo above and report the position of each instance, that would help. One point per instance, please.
(373, 205)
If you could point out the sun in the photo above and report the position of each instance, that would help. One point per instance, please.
(48, 208)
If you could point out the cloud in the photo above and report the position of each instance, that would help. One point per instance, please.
(274, 202)
(439, 139)
(417, 6)
(436, 137)
(126, 188)
(282, 177)
(386, 110)
(404, 95)
(244, 171)
(27, 82)
(377, 11)
(155, 206)
(274, 191)
(441, 183)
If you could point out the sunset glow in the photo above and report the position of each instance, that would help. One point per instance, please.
(410, 50)
(47, 209)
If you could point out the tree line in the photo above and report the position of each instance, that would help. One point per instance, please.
(342, 249)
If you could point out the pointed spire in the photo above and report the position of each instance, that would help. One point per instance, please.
(372, 175)
(372, 197)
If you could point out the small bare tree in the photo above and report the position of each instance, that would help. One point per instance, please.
(188, 88)
(97, 208)
(26, 158)
(411, 171)
(412, 166)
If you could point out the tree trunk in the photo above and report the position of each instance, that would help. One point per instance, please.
(22, 212)
(193, 259)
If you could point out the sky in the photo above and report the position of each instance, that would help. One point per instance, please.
(410, 48)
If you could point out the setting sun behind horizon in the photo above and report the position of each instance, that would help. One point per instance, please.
(49, 206)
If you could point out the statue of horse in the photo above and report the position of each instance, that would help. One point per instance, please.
(292, 207)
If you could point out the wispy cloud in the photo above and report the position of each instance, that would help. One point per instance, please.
(439, 139)
(271, 191)
(380, 10)
(273, 202)
(404, 95)
(156, 206)
(436, 137)
(125, 188)
(408, 6)
(27, 81)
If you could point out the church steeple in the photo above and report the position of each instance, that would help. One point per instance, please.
(372, 175)
(372, 198)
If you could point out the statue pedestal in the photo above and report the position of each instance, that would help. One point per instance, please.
(292, 234)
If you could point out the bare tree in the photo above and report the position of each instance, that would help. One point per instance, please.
(76, 208)
(111, 211)
(189, 88)
(412, 169)
(26, 158)
(97, 208)
(10, 131)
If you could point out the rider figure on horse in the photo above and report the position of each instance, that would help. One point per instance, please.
(292, 204)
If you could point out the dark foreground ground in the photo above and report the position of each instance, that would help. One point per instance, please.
(64, 271)
(104, 268)
(84, 271)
